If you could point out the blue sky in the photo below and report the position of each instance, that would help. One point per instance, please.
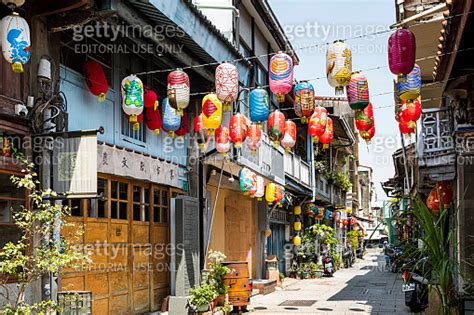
(313, 22)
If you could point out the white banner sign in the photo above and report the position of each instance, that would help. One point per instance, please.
(119, 162)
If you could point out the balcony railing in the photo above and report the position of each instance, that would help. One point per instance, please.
(323, 188)
(297, 169)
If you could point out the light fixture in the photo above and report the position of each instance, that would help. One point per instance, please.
(213, 173)
(13, 3)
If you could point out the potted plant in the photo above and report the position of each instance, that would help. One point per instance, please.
(201, 296)
(216, 273)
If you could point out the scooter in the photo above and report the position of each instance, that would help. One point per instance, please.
(328, 265)
(416, 290)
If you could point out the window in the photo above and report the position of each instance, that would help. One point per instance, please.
(160, 205)
(98, 208)
(141, 204)
(118, 200)
(128, 130)
(76, 206)
(11, 200)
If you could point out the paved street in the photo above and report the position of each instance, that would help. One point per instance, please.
(366, 288)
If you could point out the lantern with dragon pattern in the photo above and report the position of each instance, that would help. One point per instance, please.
(338, 65)
(132, 98)
(16, 42)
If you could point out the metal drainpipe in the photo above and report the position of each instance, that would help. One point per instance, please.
(313, 171)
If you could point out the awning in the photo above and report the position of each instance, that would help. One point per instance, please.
(343, 134)
(297, 188)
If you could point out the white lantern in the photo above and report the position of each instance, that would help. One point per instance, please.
(178, 90)
(260, 188)
(16, 42)
(338, 65)
(13, 3)
(132, 97)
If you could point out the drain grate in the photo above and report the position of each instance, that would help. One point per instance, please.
(297, 303)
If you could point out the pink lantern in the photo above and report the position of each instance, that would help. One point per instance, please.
(281, 75)
(289, 139)
(227, 84)
(358, 91)
(401, 51)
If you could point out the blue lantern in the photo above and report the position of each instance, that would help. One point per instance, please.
(327, 214)
(259, 105)
(171, 119)
(409, 87)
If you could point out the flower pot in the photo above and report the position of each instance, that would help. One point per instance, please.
(213, 304)
(220, 300)
(202, 308)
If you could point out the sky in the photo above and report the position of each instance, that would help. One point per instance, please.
(316, 22)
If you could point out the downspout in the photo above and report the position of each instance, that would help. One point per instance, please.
(405, 165)
(313, 171)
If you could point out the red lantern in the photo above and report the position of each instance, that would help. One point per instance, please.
(184, 126)
(353, 221)
(222, 140)
(401, 51)
(328, 135)
(150, 99)
(238, 129)
(135, 122)
(276, 126)
(404, 125)
(95, 79)
(411, 112)
(289, 140)
(254, 135)
(368, 135)
(364, 119)
(279, 194)
(201, 133)
(345, 222)
(440, 197)
(153, 118)
(317, 123)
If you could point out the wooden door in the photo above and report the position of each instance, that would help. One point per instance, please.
(239, 230)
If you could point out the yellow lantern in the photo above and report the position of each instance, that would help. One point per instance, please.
(270, 193)
(297, 226)
(297, 210)
(268, 232)
(297, 240)
(211, 112)
(338, 65)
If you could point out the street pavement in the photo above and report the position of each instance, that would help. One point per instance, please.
(366, 288)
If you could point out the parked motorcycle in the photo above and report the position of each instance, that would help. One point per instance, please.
(393, 257)
(348, 257)
(328, 265)
(415, 288)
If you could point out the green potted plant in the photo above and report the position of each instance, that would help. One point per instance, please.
(216, 273)
(201, 296)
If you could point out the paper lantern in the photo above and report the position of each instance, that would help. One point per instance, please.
(328, 135)
(253, 188)
(283, 196)
(150, 99)
(171, 119)
(296, 240)
(410, 86)
(222, 140)
(338, 65)
(320, 213)
(153, 118)
(245, 179)
(270, 193)
(183, 127)
(358, 91)
(178, 90)
(401, 52)
(404, 124)
(260, 188)
(200, 133)
(136, 123)
(297, 225)
(254, 135)
(258, 100)
(211, 112)
(132, 97)
(304, 100)
(317, 123)
(238, 129)
(345, 222)
(276, 126)
(297, 210)
(440, 197)
(227, 84)
(411, 112)
(289, 140)
(16, 42)
(281, 75)
(353, 221)
(95, 79)
(368, 135)
(279, 194)
(364, 119)
(310, 208)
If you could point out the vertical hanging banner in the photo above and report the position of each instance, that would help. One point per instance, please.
(74, 166)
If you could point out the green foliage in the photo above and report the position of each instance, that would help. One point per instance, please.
(320, 166)
(202, 294)
(40, 250)
(439, 267)
(337, 260)
(353, 238)
(324, 233)
(342, 180)
(217, 271)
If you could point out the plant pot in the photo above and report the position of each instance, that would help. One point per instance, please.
(213, 304)
(202, 308)
(220, 300)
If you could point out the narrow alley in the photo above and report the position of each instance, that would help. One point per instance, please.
(366, 288)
